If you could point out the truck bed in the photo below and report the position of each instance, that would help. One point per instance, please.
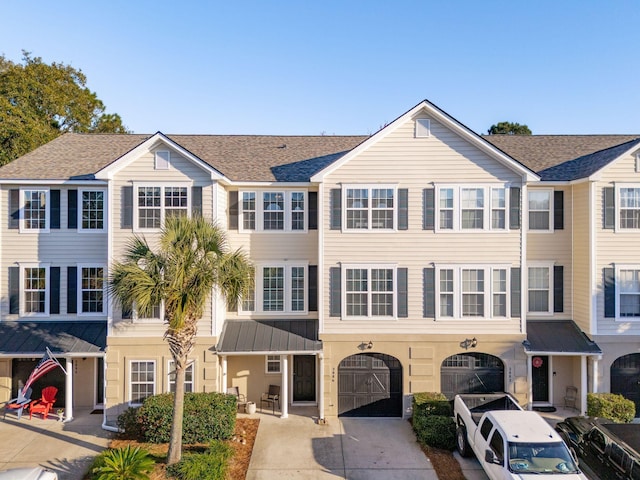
(481, 403)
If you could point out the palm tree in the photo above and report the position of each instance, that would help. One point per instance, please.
(192, 259)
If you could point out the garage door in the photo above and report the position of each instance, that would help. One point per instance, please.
(625, 372)
(370, 385)
(471, 373)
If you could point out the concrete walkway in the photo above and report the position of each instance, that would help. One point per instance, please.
(66, 448)
(349, 448)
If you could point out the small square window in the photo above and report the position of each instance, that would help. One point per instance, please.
(273, 364)
(423, 128)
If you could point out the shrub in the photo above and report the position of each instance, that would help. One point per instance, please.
(431, 403)
(211, 465)
(437, 431)
(129, 424)
(612, 406)
(207, 416)
(122, 464)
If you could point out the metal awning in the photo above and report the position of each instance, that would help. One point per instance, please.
(558, 337)
(269, 337)
(71, 338)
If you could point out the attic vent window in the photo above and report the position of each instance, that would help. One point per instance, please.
(638, 162)
(162, 158)
(423, 128)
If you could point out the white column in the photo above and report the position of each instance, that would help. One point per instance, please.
(68, 393)
(224, 385)
(321, 387)
(529, 384)
(583, 385)
(596, 379)
(284, 390)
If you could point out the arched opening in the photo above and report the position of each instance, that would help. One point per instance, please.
(370, 385)
(471, 373)
(625, 372)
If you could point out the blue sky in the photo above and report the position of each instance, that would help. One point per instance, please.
(343, 67)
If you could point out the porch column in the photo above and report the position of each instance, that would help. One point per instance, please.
(583, 384)
(321, 387)
(68, 393)
(284, 395)
(529, 383)
(224, 374)
(596, 379)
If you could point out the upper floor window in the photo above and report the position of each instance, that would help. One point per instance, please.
(91, 292)
(630, 207)
(92, 208)
(540, 289)
(370, 291)
(370, 208)
(471, 208)
(35, 281)
(34, 210)
(282, 289)
(154, 203)
(629, 296)
(273, 210)
(540, 208)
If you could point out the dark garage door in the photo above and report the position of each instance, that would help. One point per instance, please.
(471, 373)
(625, 374)
(370, 385)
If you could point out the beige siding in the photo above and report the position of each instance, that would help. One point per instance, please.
(581, 276)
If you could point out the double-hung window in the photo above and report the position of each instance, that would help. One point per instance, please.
(154, 203)
(273, 364)
(370, 291)
(471, 207)
(142, 380)
(628, 282)
(629, 207)
(92, 210)
(91, 293)
(273, 211)
(540, 209)
(35, 281)
(35, 202)
(279, 288)
(540, 288)
(370, 208)
(188, 377)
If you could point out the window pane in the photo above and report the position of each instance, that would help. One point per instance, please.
(297, 289)
(357, 208)
(357, 303)
(629, 293)
(498, 208)
(382, 208)
(35, 280)
(149, 207)
(472, 203)
(273, 289)
(273, 210)
(539, 286)
(473, 293)
(500, 293)
(93, 210)
(382, 281)
(175, 201)
(539, 210)
(92, 289)
(249, 210)
(630, 208)
(297, 211)
(35, 209)
(446, 208)
(142, 381)
(188, 377)
(446, 293)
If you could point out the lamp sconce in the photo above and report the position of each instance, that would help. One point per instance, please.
(469, 343)
(366, 346)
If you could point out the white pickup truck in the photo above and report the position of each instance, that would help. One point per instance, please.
(511, 443)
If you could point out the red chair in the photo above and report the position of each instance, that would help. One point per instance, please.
(45, 403)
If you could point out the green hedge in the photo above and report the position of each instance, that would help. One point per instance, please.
(431, 403)
(207, 416)
(612, 406)
(210, 465)
(433, 420)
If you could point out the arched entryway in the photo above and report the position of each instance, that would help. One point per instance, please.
(625, 372)
(471, 373)
(370, 385)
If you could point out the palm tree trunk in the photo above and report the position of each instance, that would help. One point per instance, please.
(175, 441)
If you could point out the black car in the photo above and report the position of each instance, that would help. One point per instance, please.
(610, 450)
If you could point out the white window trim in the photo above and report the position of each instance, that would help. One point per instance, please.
(47, 290)
(549, 266)
(259, 293)
(618, 268)
(457, 207)
(138, 319)
(105, 213)
(369, 267)
(369, 187)
(162, 186)
(161, 165)
(79, 290)
(618, 206)
(422, 128)
(259, 210)
(130, 382)
(47, 211)
(551, 211)
(190, 364)
(267, 361)
(458, 292)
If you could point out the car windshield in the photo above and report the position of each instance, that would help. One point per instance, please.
(541, 458)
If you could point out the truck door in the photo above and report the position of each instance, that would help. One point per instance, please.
(495, 471)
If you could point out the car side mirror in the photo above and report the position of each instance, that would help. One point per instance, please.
(490, 457)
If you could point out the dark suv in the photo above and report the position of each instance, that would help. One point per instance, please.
(610, 450)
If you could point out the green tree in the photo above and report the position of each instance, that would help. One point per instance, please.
(509, 128)
(192, 259)
(39, 101)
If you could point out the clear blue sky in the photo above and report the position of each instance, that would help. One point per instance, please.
(343, 66)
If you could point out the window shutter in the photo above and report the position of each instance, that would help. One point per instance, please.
(72, 289)
(196, 201)
(233, 210)
(14, 290)
(403, 294)
(335, 294)
(54, 295)
(609, 292)
(558, 210)
(514, 208)
(516, 288)
(428, 208)
(14, 208)
(127, 207)
(312, 220)
(558, 288)
(336, 209)
(403, 209)
(429, 281)
(609, 213)
(72, 208)
(313, 288)
(55, 208)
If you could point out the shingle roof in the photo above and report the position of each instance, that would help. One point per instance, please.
(558, 336)
(60, 337)
(269, 336)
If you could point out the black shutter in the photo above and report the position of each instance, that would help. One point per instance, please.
(403, 209)
(514, 208)
(558, 210)
(609, 292)
(196, 201)
(335, 294)
(72, 289)
(403, 294)
(429, 293)
(336, 209)
(127, 207)
(72, 209)
(516, 288)
(14, 209)
(428, 208)
(14, 290)
(55, 208)
(54, 295)
(313, 288)
(609, 208)
(233, 210)
(558, 288)
(312, 220)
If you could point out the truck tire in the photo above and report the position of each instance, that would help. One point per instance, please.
(461, 441)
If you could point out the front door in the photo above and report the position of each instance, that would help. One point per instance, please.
(540, 378)
(304, 378)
